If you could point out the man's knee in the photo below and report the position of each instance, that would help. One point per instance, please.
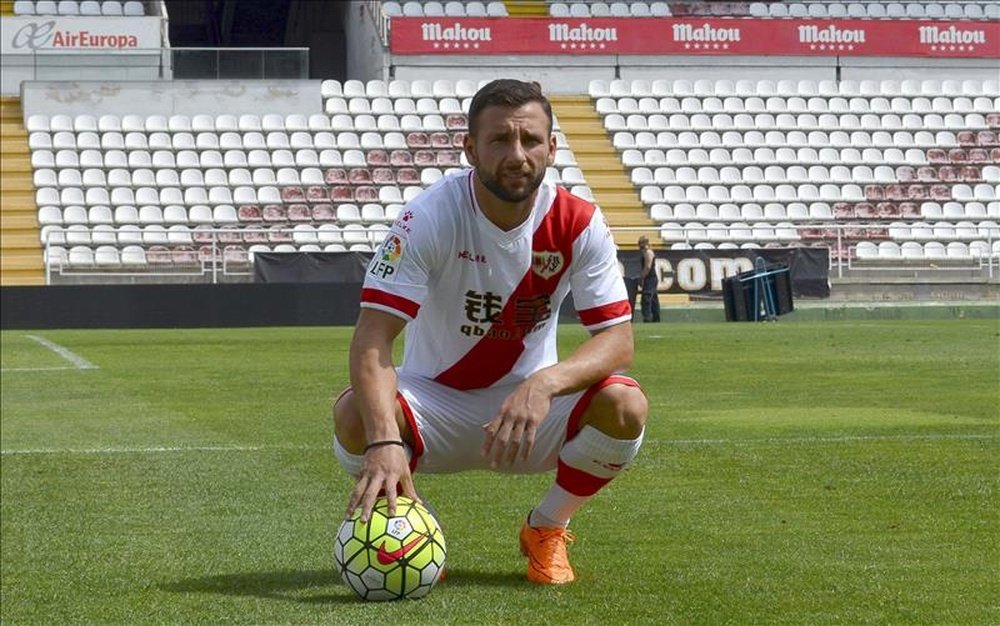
(347, 423)
(618, 411)
(349, 427)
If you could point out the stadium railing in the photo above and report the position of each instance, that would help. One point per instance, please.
(220, 254)
(165, 64)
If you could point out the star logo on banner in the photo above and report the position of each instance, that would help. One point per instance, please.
(953, 48)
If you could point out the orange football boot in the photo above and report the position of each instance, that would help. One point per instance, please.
(548, 562)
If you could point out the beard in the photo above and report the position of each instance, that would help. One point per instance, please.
(506, 194)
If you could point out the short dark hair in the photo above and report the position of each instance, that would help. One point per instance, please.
(507, 92)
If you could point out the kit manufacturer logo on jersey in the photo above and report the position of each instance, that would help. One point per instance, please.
(547, 263)
(403, 221)
(386, 260)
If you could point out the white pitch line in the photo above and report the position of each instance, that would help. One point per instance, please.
(832, 439)
(36, 369)
(669, 442)
(152, 450)
(78, 361)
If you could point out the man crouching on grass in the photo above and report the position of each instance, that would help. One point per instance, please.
(475, 270)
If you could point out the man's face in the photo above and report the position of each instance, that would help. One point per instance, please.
(511, 150)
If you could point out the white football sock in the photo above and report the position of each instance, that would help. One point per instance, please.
(586, 463)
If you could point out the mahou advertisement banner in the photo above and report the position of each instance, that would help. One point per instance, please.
(901, 38)
(25, 35)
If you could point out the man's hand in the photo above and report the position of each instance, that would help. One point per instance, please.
(511, 433)
(384, 468)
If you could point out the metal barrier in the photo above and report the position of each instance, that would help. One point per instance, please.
(216, 258)
(165, 63)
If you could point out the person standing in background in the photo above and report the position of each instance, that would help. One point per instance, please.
(648, 282)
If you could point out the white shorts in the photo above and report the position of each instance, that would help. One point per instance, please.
(448, 424)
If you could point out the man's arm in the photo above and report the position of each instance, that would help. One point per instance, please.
(512, 431)
(373, 382)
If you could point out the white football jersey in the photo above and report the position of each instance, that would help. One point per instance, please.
(482, 303)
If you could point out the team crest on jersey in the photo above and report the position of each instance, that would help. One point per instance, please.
(547, 263)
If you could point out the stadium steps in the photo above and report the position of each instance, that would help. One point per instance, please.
(527, 8)
(602, 168)
(20, 250)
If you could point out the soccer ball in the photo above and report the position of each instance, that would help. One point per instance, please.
(390, 558)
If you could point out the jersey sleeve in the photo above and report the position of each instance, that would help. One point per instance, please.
(596, 281)
(397, 277)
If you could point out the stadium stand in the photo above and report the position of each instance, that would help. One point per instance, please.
(165, 185)
(86, 8)
(750, 163)
(715, 164)
(21, 261)
(432, 8)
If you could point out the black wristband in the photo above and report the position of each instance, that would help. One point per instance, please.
(387, 442)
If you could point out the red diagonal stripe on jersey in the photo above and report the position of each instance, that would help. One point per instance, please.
(491, 358)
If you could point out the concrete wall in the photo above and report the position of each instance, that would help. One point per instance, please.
(557, 74)
(186, 97)
(366, 55)
(904, 68)
(103, 66)
(562, 74)
(732, 68)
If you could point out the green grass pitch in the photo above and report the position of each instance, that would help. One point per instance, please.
(793, 473)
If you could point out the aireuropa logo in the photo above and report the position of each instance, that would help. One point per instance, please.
(33, 35)
(36, 35)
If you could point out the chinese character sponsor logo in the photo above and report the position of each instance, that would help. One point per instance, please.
(530, 310)
(482, 308)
